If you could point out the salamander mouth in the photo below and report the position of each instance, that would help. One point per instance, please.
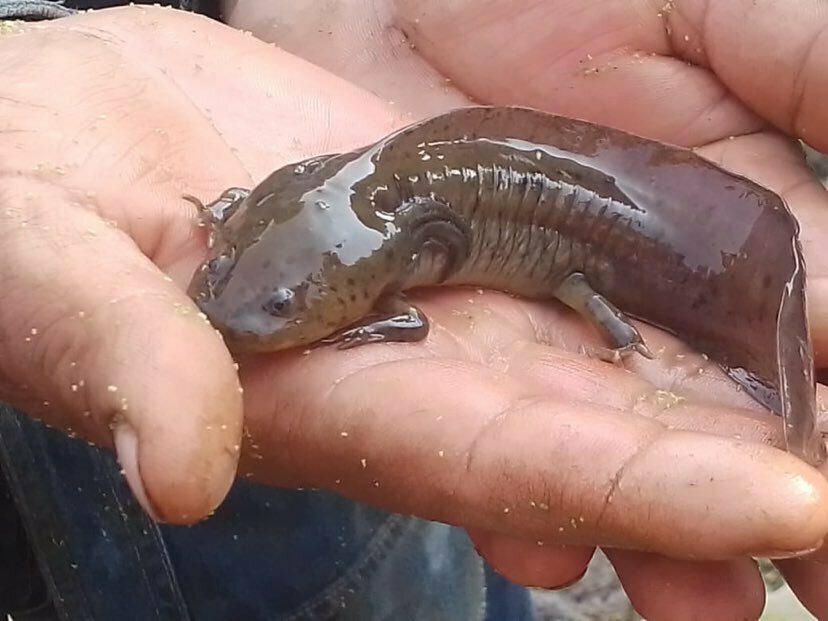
(247, 341)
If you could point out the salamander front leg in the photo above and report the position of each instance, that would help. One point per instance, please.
(395, 320)
(216, 213)
(576, 293)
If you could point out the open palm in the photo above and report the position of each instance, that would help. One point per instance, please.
(496, 422)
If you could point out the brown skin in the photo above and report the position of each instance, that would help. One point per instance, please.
(683, 490)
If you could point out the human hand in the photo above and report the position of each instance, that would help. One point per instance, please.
(752, 68)
(559, 412)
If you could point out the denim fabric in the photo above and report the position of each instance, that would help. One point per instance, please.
(32, 9)
(50, 9)
(266, 554)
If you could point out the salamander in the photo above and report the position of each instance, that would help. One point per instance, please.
(611, 224)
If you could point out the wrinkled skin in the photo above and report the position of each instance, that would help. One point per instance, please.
(497, 407)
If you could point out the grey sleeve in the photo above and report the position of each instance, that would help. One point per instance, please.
(33, 9)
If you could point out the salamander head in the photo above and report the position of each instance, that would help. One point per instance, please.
(291, 262)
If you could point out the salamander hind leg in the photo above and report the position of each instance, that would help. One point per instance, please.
(576, 292)
(394, 321)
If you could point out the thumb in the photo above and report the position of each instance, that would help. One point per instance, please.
(95, 339)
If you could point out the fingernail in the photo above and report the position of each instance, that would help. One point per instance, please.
(126, 449)
(783, 554)
(566, 585)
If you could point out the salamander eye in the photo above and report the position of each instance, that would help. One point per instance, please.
(281, 302)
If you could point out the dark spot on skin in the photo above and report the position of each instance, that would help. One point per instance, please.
(266, 264)
(338, 246)
(353, 297)
(766, 281)
(350, 282)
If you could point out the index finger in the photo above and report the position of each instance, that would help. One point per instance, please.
(684, 71)
(771, 55)
(707, 65)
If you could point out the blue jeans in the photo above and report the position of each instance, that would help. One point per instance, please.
(266, 554)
